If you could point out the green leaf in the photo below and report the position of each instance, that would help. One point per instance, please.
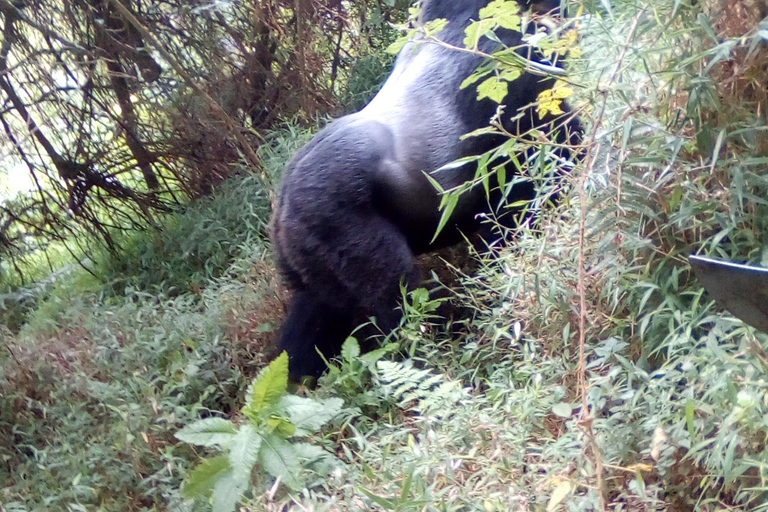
(503, 12)
(562, 409)
(499, 8)
(350, 350)
(450, 204)
(511, 73)
(474, 77)
(458, 163)
(398, 45)
(203, 478)
(208, 432)
(374, 355)
(228, 491)
(493, 88)
(316, 458)
(244, 450)
(278, 457)
(281, 427)
(309, 415)
(435, 26)
(475, 31)
(387, 503)
(269, 386)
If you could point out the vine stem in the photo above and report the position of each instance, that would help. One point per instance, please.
(586, 420)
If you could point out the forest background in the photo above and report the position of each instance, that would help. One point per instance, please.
(142, 143)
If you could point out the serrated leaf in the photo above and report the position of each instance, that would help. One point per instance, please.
(208, 432)
(435, 26)
(475, 31)
(203, 478)
(562, 409)
(270, 385)
(310, 415)
(504, 14)
(278, 457)
(244, 450)
(228, 491)
(494, 89)
(350, 350)
(398, 45)
(499, 8)
(511, 73)
(309, 452)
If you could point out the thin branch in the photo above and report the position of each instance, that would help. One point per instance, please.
(13, 12)
(233, 126)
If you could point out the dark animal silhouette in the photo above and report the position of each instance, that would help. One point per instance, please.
(355, 207)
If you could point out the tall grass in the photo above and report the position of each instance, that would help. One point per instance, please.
(98, 378)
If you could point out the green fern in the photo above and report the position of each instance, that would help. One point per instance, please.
(417, 389)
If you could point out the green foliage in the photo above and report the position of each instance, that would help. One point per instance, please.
(365, 79)
(273, 418)
(489, 417)
(195, 244)
(497, 14)
(94, 384)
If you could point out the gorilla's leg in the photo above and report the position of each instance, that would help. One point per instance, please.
(349, 273)
(312, 323)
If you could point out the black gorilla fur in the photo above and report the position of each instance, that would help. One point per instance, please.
(355, 207)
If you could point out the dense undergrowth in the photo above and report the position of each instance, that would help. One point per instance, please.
(658, 402)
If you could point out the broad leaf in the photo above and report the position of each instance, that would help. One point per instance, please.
(208, 432)
(474, 77)
(475, 31)
(434, 27)
(203, 478)
(309, 415)
(228, 491)
(562, 409)
(278, 457)
(493, 88)
(269, 386)
(503, 12)
(244, 451)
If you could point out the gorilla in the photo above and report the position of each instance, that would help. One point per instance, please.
(355, 207)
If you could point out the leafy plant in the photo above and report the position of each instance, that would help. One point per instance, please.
(272, 419)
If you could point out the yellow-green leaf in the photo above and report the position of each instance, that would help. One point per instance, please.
(493, 88)
(269, 386)
(562, 491)
(202, 479)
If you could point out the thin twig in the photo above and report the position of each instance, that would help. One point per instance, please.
(231, 124)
